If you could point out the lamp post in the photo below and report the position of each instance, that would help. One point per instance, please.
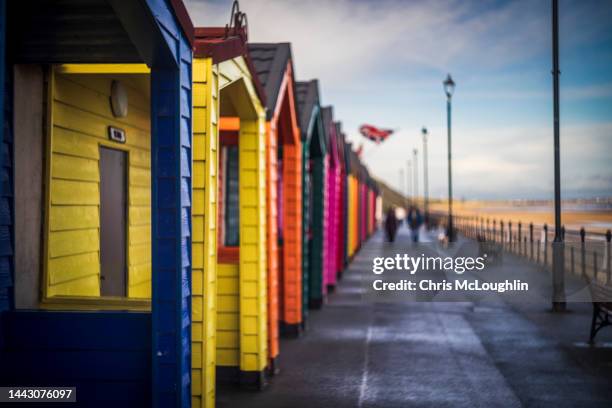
(415, 174)
(449, 88)
(409, 191)
(558, 295)
(425, 176)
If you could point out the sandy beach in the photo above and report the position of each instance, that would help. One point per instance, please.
(593, 216)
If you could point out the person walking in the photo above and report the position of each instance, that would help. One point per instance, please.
(391, 224)
(414, 220)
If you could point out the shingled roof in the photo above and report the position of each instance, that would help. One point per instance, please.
(340, 140)
(270, 61)
(307, 95)
(327, 116)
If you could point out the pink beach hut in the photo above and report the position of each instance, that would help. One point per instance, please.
(333, 198)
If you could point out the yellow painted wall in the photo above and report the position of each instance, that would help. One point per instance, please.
(204, 224)
(80, 113)
(228, 316)
(253, 261)
(242, 288)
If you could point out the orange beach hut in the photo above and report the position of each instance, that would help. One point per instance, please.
(274, 66)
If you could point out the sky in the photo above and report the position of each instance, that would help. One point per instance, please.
(383, 62)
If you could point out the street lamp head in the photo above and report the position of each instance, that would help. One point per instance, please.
(449, 86)
(424, 130)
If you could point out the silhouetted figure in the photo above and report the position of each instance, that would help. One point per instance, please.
(415, 220)
(391, 224)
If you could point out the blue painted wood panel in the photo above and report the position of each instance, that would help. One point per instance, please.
(6, 177)
(2, 71)
(106, 355)
(171, 212)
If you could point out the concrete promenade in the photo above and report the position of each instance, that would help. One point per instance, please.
(469, 354)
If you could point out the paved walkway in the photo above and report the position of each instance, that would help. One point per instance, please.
(360, 354)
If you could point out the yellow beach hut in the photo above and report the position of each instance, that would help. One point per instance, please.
(229, 305)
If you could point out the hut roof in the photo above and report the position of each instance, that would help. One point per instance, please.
(327, 114)
(307, 95)
(222, 44)
(270, 62)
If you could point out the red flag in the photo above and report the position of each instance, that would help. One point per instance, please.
(359, 150)
(375, 134)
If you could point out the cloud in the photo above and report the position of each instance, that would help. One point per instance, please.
(514, 162)
(343, 39)
(383, 62)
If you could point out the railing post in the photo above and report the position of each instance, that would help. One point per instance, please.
(563, 240)
(494, 230)
(482, 229)
(501, 233)
(582, 251)
(531, 240)
(469, 224)
(488, 230)
(510, 246)
(545, 245)
(563, 233)
(520, 241)
(608, 266)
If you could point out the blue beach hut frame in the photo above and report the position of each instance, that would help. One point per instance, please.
(161, 34)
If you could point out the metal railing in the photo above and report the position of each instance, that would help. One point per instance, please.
(586, 253)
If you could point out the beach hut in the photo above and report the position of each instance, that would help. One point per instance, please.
(363, 199)
(352, 201)
(372, 191)
(274, 66)
(316, 226)
(96, 208)
(374, 213)
(356, 202)
(342, 249)
(333, 197)
(229, 304)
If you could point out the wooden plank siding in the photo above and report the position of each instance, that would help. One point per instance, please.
(81, 115)
(204, 219)
(318, 256)
(253, 284)
(356, 213)
(284, 129)
(242, 292)
(292, 233)
(333, 180)
(272, 238)
(171, 95)
(228, 316)
(6, 190)
(306, 198)
(352, 214)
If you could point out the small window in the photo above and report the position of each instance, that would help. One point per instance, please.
(231, 213)
(113, 222)
(229, 205)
